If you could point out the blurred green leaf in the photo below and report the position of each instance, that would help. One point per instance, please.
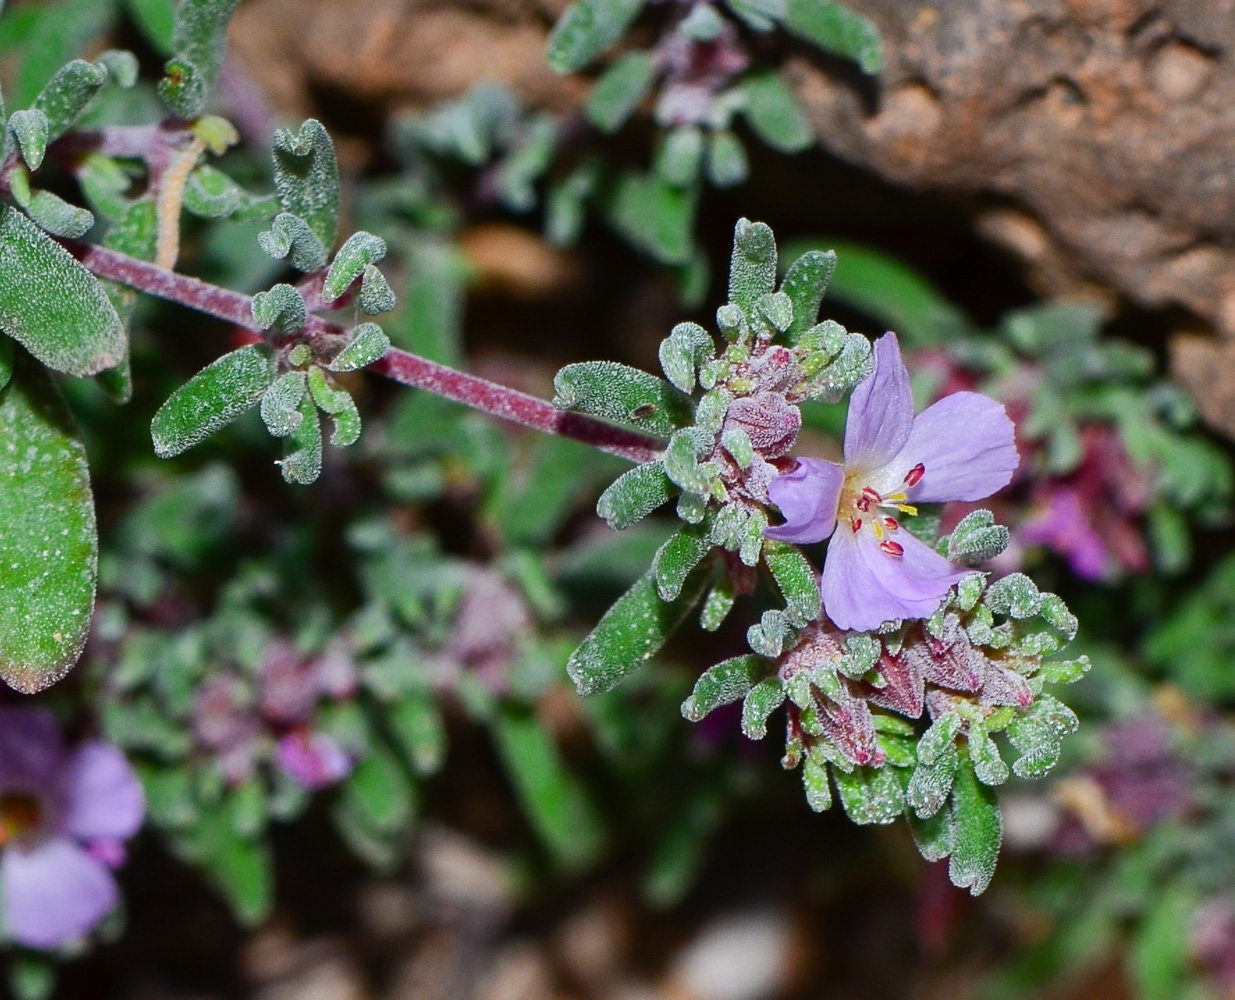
(774, 113)
(617, 93)
(201, 33)
(586, 29)
(837, 30)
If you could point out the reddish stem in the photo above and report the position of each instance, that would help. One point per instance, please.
(408, 369)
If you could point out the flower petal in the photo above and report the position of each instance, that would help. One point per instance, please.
(808, 497)
(102, 797)
(863, 586)
(880, 410)
(53, 892)
(1064, 527)
(967, 444)
(312, 760)
(30, 749)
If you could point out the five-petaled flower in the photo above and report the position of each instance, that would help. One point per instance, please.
(63, 820)
(960, 448)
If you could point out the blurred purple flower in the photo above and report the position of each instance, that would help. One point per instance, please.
(63, 818)
(960, 448)
(312, 760)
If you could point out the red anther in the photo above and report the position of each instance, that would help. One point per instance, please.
(863, 504)
(892, 548)
(914, 475)
(855, 524)
(891, 522)
(870, 495)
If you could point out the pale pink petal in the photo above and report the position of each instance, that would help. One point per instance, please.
(53, 892)
(967, 446)
(880, 410)
(312, 760)
(102, 797)
(863, 586)
(30, 749)
(807, 497)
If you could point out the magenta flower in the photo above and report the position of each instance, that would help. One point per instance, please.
(312, 760)
(63, 819)
(960, 448)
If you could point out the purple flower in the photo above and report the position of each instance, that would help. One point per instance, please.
(960, 448)
(312, 760)
(63, 818)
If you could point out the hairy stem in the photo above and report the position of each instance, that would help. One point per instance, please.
(408, 369)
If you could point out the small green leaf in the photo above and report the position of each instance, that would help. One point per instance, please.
(837, 30)
(930, 783)
(805, 283)
(764, 699)
(933, 836)
(349, 263)
(31, 129)
(634, 495)
(774, 113)
(368, 344)
(212, 399)
(728, 681)
(680, 156)
(183, 88)
(815, 782)
(50, 211)
(211, 194)
(48, 545)
(31, 976)
(376, 295)
(379, 792)
(752, 268)
(976, 539)
(290, 235)
(339, 404)
(726, 163)
(870, 795)
(201, 33)
(623, 395)
(121, 65)
(554, 800)
(306, 177)
(631, 631)
(796, 578)
(1160, 951)
(681, 353)
(6, 361)
(418, 729)
(586, 29)
(283, 307)
(761, 15)
(1015, 595)
(977, 833)
(67, 93)
(52, 305)
(280, 405)
(302, 462)
(679, 556)
(656, 217)
(620, 89)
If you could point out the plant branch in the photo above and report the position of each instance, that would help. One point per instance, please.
(401, 366)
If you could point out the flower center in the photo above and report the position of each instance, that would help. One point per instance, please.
(864, 506)
(19, 814)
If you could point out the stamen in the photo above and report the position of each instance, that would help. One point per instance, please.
(870, 495)
(891, 523)
(914, 475)
(855, 524)
(878, 528)
(892, 548)
(907, 508)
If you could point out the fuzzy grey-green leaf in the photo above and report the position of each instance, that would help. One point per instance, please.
(306, 177)
(675, 560)
(290, 236)
(51, 304)
(339, 404)
(805, 283)
(586, 29)
(376, 295)
(870, 796)
(212, 399)
(796, 579)
(976, 538)
(836, 29)
(764, 699)
(201, 33)
(977, 833)
(635, 494)
(282, 307)
(67, 93)
(183, 88)
(369, 343)
(349, 263)
(752, 268)
(624, 395)
(631, 631)
(724, 683)
(30, 128)
(681, 353)
(48, 540)
(302, 462)
(619, 90)
(280, 406)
